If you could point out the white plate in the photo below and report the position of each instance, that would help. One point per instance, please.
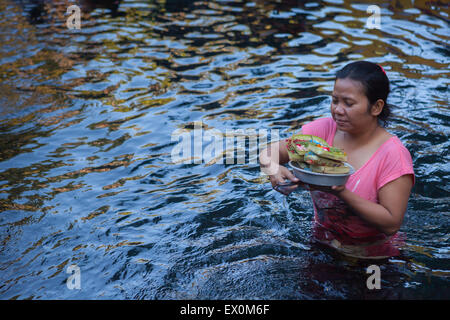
(321, 179)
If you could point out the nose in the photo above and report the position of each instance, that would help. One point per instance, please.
(338, 109)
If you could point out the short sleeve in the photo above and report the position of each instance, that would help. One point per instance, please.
(323, 128)
(396, 162)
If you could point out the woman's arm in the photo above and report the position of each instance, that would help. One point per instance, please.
(275, 154)
(387, 215)
(271, 160)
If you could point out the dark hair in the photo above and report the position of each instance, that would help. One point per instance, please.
(374, 81)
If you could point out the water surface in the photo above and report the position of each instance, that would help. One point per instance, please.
(86, 123)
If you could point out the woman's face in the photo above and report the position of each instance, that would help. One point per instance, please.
(349, 106)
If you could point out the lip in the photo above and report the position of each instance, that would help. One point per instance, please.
(340, 121)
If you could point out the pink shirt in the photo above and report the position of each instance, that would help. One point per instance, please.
(391, 161)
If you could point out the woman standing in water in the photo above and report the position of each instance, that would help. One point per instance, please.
(362, 217)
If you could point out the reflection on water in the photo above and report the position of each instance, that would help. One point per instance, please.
(86, 119)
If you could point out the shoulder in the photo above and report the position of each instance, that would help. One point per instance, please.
(394, 160)
(394, 148)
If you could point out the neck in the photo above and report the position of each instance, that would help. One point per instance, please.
(363, 136)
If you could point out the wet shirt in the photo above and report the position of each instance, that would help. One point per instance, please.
(335, 219)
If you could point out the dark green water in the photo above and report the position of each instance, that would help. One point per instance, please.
(86, 124)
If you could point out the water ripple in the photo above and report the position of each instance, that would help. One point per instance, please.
(86, 175)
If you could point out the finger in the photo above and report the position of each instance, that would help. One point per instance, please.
(285, 190)
(291, 176)
(275, 182)
(281, 189)
(291, 188)
(338, 189)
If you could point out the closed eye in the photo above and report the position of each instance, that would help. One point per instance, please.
(349, 103)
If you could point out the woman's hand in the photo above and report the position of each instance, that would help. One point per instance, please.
(337, 189)
(271, 161)
(285, 182)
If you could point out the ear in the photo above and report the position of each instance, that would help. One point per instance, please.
(377, 107)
